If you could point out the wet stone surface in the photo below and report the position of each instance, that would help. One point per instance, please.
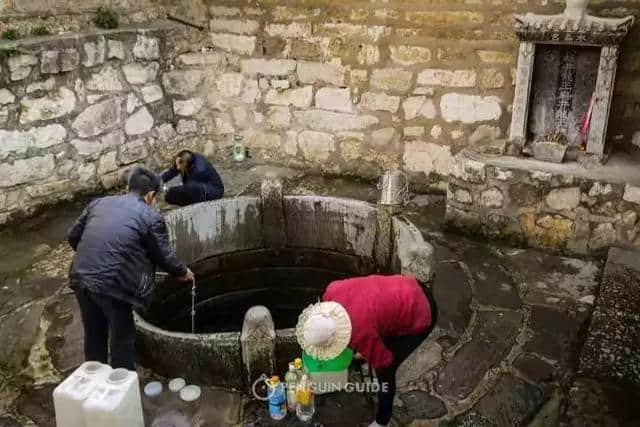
(452, 293)
(534, 368)
(493, 338)
(421, 405)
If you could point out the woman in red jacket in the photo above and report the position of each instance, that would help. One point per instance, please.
(382, 318)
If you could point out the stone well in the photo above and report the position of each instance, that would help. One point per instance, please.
(277, 251)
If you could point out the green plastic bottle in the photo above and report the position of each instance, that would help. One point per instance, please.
(238, 148)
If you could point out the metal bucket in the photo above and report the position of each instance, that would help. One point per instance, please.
(394, 188)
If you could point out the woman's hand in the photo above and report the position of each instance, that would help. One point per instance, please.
(358, 356)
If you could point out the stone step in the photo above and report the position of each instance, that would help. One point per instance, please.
(612, 348)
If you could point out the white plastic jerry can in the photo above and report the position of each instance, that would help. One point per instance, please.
(69, 396)
(116, 402)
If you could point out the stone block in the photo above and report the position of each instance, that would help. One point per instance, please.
(491, 78)
(492, 198)
(280, 84)
(4, 115)
(564, 198)
(20, 66)
(383, 137)
(187, 107)
(419, 106)
(132, 151)
(18, 334)
(469, 108)
(6, 97)
(18, 142)
(469, 170)
(244, 45)
(445, 18)
(278, 117)
(291, 31)
(147, 48)
(94, 52)
(316, 72)
(49, 62)
(330, 121)
(285, 13)
(378, 101)
(334, 99)
(436, 131)
(635, 139)
(511, 402)
(495, 57)
(140, 122)
(224, 11)
(427, 157)
(316, 146)
(26, 170)
(237, 26)
(631, 194)
(186, 127)
(133, 102)
(462, 196)
(151, 93)
(182, 82)
(69, 60)
(107, 163)
(369, 54)
(603, 236)
(107, 80)
(99, 118)
(57, 105)
(138, 74)
(449, 78)
(410, 55)
(392, 79)
(266, 141)
(91, 147)
(202, 58)
(115, 49)
(291, 143)
(413, 131)
(268, 67)
(229, 84)
(358, 77)
(42, 86)
(301, 97)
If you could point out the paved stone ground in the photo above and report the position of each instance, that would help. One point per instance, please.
(511, 322)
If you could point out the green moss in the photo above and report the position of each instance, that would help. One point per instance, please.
(41, 31)
(7, 53)
(11, 35)
(106, 18)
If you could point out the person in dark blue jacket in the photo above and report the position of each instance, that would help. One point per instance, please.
(119, 240)
(200, 180)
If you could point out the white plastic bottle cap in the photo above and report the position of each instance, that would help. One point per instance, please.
(177, 384)
(153, 388)
(190, 393)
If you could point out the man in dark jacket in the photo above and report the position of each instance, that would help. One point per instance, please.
(118, 242)
(200, 180)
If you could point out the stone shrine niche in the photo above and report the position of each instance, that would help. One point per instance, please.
(564, 82)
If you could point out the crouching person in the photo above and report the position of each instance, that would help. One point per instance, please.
(382, 318)
(200, 180)
(119, 240)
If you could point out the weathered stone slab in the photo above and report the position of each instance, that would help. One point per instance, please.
(316, 146)
(19, 142)
(469, 108)
(108, 79)
(316, 72)
(452, 292)
(6, 97)
(20, 66)
(69, 60)
(65, 336)
(49, 62)
(140, 122)
(392, 79)
(244, 45)
(414, 369)
(534, 368)
(27, 170)
(555, 334)
(268, 67)
(631, 194)
(419, 106)
(237, 26)
(301, 98)
(94, 52)
(18, 334)
(450, 78)
(57, 105)
(327, 120)
(202, 58)
(147, 48)
(115, 49)
(378, 101)
(182, 82)
(151, 93)
(289, 31)
(511, 402)
(188, 107)
(564, 198)
(278, 117)
(230, 84)
(427, 157)
(421, 405)
(99, 118)
(334, 99)
(132, 152)
(342, 225)
(138, 74)
(492, 340)
(410, 55)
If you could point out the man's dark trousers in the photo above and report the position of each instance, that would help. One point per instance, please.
(108, 328)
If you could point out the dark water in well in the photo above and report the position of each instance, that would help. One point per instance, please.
(223, 300)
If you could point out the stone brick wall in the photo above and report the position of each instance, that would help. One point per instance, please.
(557, 211)
(75, 112)
(340, 88)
